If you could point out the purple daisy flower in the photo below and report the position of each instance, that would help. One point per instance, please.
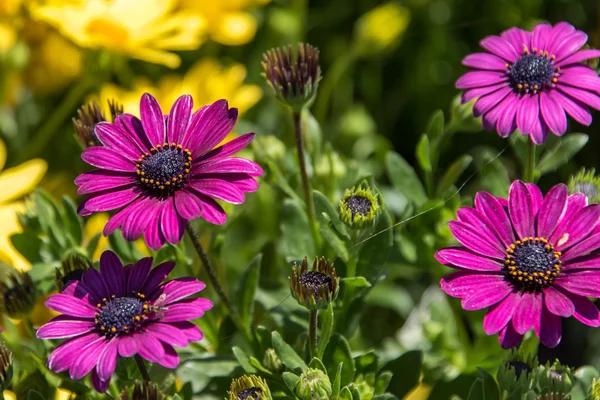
(122, 312)
(531, 260)
(527, 80)
(162, 171)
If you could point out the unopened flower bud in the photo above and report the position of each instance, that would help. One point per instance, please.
(314, 384)
(142, 391)
(555, 378)
(6, 369)
(316, 288)
(360, 208)
(89, 116)
(18, 295)
(272, 361)
(586, 182)
(249, 387)
(71, 269)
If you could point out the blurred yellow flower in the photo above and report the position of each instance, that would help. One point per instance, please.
(8, 37)
(8, 395)
(377, 30)
(207, 81)
(94, 226)
(142, 30)
(15, 183)
(228, 21)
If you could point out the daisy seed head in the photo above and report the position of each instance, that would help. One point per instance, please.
(360, 207)
(142, 391)
(294, 80)
(6, 368)
(71, 269)
(249, 387)
(313, 384)
(316, 288)
(17, 295)
(88, 117)
(586, 182)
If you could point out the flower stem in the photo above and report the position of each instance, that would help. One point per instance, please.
(142, 367)
(212, 275)
(528, 176)
(312, 332)
(308, 198)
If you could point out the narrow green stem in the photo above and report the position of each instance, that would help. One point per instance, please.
(51, 125)
(312, 332)
(308, 198)
(142, 367)
(528, 176)
(212, 275)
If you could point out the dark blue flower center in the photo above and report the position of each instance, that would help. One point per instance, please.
(252, 393)
(165, 169)
(532, 72)
(121, 315)
(532, 264)
(359, 205)
(315, 280)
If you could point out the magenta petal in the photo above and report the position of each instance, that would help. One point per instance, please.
(105, 158)
(186, 310)
(63, 327)
(156, 276)
(487, 102)
(528, 312)
(580, 76)
(100, 385)
(100, 180)
(172, 224)
(107, 361)
(168, 334)
(134, 128)
(493, 210)
(111, 200)
(117, 219)
(463, 284)
(578, 57)
(64, 355)
(585, 310)
(557, 35)
(500, 314)
(575, 203)
(219, 189)
(228, 148)
(518, 38)
(539, 36)
(583, 283)
(180, 288)
(150, 348)
(210, 127)
(138, 219)
(463, 258)
(87, 358)
(501, 48)
(486, 296)
(474, 79)
(228, 165)
(153, 235)
(509, 338)
(570, 45)
(117, 138)
(113, 273)
(153, 120)
(586, 246)
(485, 61)
(591, 261)
(578, 227)
(212, 211)
(552, 208)
(127, 346)
(507, 118)
(170, 359)
(520, 210)
(471, 94)
(137, 274)
(581, 95)
(188, 205)
(179, 118)
(557, 303)
(191, 331)
(550, 329)
(92, 279)
(553, 114)
(471, 238)
(536, 197)
(528, 114)
(72, 306)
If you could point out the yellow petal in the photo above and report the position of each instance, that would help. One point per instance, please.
(8, 395)
(94, 225)
(246, 97)
(20, 180)
(40, 313)
(234, 29)
(9, 226)
(2, 154)
(165, 58)
(64, 394)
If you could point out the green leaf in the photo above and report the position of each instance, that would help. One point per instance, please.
(357, 281)
(355, 393)
(256, 364)
(50, 217)
(326, 329)
(454, 171)
(29, 246)
(243, 359)
(323, 206)
(73, 222)
(561, 152)
(382, 382)
(315, 363)
(385, 396)
(290, 381)
(336, 352)
(489, 386)
(33, 395)
(176, 397)
(332, 238)
(287, 354)
(247, 289)
(336, 385)
(404, 178)
(435, 129)
(423, 154)
(492, 174)
(294, 241)
(407, 366)
(345, 394)
(374, 252)
(122, 247)
(92, 245)
(366, 363)
(476, 392)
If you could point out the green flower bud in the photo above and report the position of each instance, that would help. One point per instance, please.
(272, 361)
(294, 81)
(586, 182)
(71, 269)
(595, 390)
(142, 391)
(360, 207)
(6, 369)
(18, 298)
(555, 378)
(249, 387)
(314, 384)
(316, 288)
(516, 372)
(592, 62)
(89, 116)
